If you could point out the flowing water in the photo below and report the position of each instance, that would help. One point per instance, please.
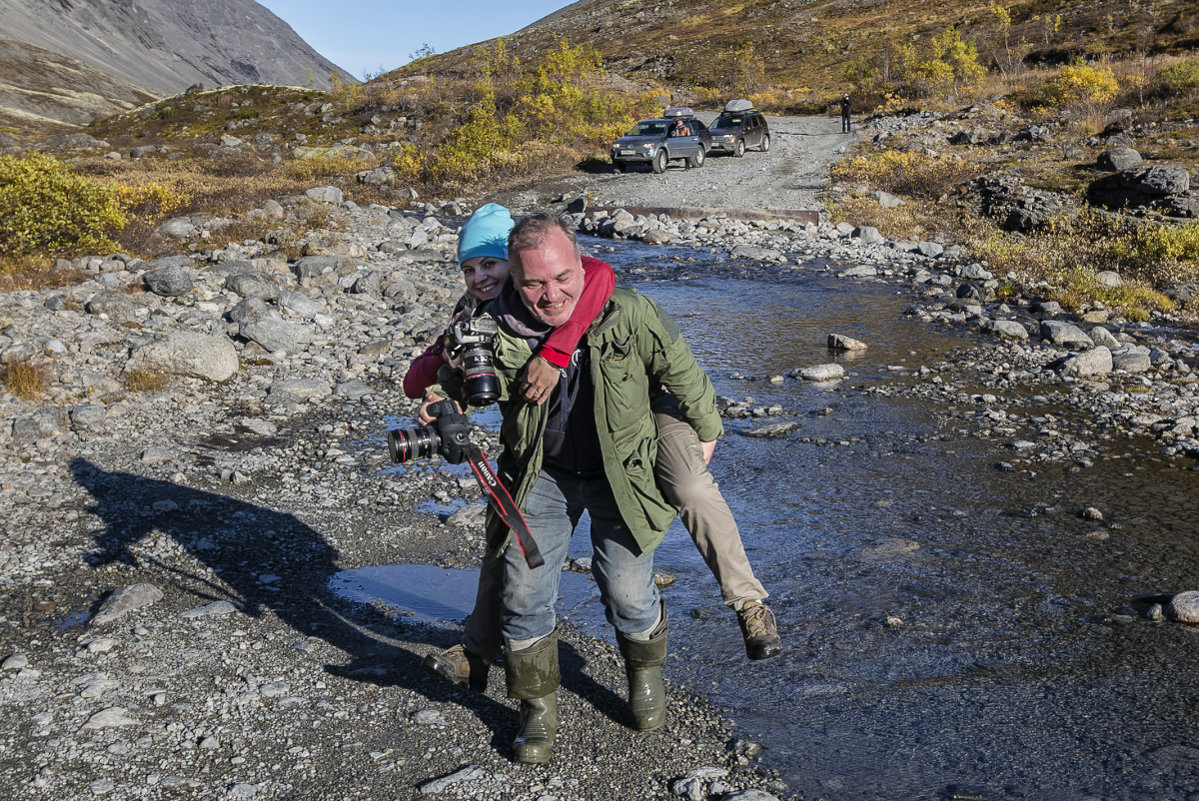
(951, 630)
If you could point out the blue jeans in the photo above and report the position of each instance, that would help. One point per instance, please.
(624, 574)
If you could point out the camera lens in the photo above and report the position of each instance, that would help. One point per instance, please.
(415, 442)
(479, 381)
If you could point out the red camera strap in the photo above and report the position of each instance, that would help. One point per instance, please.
(504, 506)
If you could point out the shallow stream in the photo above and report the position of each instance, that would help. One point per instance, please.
(951, 630)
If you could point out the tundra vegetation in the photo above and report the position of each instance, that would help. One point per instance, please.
(486, 118)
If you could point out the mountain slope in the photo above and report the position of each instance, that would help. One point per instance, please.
(43, 90)
(163, 46)
(807, 43)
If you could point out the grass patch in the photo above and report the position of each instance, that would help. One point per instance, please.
(26, 380)
(146, 380)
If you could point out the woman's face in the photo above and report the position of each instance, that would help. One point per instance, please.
(484, 276)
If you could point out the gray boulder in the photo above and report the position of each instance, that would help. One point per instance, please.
(187, 353)
(1119, 158)
(1007, 328)
(301, 389)
(325, 194)
(820, 372)
(116, 306)
(251, 308)
(169, 280)
(88, 416)
(1132, 360)
(886, 199)
(299, 304)
(1184, 607)
(124, 601)
(842, 342)
(1063, 333)
(276, 335)
(250, 284)
(1088, 364)
(45, 422)
(868, 235)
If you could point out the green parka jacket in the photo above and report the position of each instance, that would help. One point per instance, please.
(631, 343)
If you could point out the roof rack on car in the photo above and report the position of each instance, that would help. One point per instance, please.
(739, 105)
(682, 111)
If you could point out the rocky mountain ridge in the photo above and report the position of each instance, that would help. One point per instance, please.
(128, 51)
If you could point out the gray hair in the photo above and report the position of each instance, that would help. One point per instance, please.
(530, 232)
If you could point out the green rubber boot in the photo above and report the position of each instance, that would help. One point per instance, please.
(643, 665)
(533, 677)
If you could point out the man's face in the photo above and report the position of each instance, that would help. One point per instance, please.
(549, 279)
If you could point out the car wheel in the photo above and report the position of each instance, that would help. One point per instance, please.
(659, 163)
(765, 143)
(739, 148)
(698, 159)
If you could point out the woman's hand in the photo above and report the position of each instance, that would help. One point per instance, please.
(539, 380)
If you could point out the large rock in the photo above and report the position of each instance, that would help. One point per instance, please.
(868, 234)
(189, 354)
(1063, 333)
(325, 194)
(1119, 158)
(1007, 328)
(820, 372)
(115, 306)
(250, 284)
(276, 335)
(1088, 364)
(124, 601)
(169, 277)
(1184, 607)
(299, 304)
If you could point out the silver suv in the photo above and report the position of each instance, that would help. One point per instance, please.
(739, 127)
(677, 134)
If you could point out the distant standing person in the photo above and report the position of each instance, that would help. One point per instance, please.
(846, 109)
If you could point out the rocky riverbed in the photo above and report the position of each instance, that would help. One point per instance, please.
(167, 628)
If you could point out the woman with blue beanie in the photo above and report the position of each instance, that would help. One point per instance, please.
(483, 259)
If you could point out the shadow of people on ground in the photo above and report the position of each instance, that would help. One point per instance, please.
(263, 560)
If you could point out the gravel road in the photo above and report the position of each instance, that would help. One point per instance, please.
(786, 178)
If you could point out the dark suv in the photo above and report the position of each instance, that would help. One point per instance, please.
(677, 134)
(739, 127)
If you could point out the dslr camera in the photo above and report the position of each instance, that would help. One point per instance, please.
(449, 435)
(471, 340)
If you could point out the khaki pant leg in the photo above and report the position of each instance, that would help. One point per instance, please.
(690, 488)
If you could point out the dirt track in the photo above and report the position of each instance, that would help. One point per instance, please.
(787, 177)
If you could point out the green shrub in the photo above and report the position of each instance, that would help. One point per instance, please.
(47, 209)
(1179, 80)
(1082, 83)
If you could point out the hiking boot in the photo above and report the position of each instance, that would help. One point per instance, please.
(458, 666)
(760, 631)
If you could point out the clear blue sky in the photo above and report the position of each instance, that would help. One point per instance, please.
(361, 35)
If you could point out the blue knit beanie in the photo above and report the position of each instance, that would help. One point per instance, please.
(485, 233)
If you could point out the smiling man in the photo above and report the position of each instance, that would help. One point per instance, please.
(591, 447)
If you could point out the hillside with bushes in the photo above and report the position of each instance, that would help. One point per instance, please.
(978, 118)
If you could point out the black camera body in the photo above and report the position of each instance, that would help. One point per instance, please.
(471, 340)
(449, 435)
